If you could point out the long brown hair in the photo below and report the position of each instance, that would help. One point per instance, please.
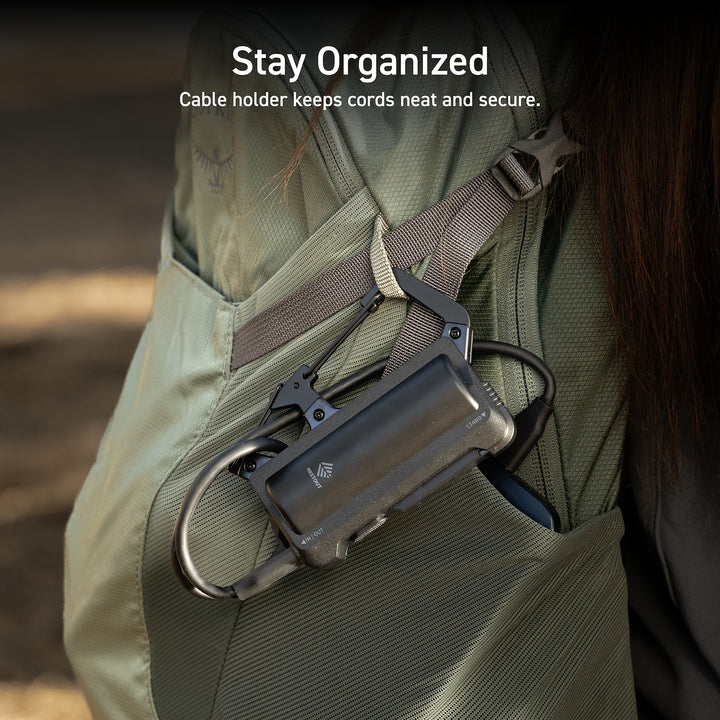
(649, 93)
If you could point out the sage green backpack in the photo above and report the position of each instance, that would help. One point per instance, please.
(462, 608)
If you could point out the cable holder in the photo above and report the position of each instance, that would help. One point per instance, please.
(399, 441)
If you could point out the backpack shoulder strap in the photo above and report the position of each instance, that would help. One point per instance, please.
(452, 231)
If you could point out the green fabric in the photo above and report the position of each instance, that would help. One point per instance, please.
(463, 608)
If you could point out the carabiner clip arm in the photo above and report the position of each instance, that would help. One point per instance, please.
(183, 564)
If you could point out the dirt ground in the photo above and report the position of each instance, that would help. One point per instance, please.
(87, 120)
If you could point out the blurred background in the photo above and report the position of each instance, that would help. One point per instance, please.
(88, 108)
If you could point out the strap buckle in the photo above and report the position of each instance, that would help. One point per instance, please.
(547, 147)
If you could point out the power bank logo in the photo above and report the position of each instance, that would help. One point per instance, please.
(324, 471)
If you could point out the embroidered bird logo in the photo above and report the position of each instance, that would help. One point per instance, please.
(214, 166)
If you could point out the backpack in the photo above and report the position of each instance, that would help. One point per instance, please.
(463, 607)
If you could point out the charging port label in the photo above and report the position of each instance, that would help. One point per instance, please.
(312, 536)
(481, 418)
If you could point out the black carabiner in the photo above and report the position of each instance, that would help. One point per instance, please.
(183, 564)
(255, 441)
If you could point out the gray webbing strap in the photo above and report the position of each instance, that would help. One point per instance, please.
(463, 237)
(453, 230)
(346, 283)
(503, 185)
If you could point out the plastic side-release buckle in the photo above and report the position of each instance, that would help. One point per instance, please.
(546, 148)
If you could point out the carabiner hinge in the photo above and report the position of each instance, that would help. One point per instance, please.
(298, 391)
(546, 147)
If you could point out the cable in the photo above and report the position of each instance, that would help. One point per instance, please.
(530, 422)
(488, 347)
